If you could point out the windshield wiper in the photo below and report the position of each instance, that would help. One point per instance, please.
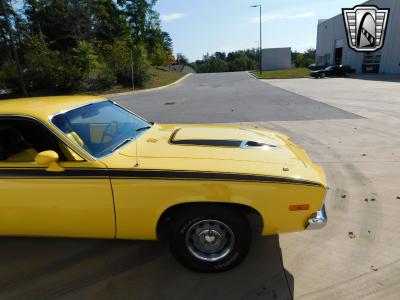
(127, 140)
(142, 128)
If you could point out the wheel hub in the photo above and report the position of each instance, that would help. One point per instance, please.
(209, 240)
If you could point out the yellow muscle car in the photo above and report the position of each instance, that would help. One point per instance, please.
(83, 166)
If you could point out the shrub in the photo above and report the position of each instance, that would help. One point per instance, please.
(159, 56)
(43, 65)
(102, 78)
(239, 63)
(117, 58)
(9, 76)
(141, 65)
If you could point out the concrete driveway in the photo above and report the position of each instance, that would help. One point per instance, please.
(349, 126)
(357, 255)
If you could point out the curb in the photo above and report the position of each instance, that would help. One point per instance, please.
(252, 75)
(149, 90)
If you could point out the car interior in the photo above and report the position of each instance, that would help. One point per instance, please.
(21, 140)
(88, 132)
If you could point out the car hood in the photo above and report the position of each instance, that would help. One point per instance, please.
(213, 142)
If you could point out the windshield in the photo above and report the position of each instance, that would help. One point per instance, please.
(100, 128)
(328, 68)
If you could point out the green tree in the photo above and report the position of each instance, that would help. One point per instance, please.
(42, 65)
(117, 57)
(141, 65)
(218, 65)
(232, 61)
(167, 40)
(4, 10)
(156, 46)
(159, 55)
(220, 55)
(181, 59)
(140, 15)
(4, 45)
(80, 44)
(303, 59)
(85, 59)
(239, 63)
(108, 22)
(59, 25)
(168, 46)
(34, 10)
(309, 57)
(75, 67)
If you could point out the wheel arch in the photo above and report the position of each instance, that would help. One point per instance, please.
(254, 217)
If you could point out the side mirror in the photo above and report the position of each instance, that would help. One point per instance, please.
(49, 158)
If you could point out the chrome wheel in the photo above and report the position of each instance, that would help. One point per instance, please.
(209, 240)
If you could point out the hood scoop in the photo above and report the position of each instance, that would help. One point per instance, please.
(212, 143)
(219, 143)
(223, 143)
(219, 138)
(251, 144)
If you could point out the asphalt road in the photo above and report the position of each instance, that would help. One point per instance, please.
(226, 98)
(313, 261)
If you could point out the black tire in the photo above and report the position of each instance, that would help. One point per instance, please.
(322, 75)
(186, 231)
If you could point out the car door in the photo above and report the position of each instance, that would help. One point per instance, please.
(73, 201)
(332, 71)
(337, 71)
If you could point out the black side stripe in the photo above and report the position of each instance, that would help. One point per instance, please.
(201, 175)
(38, 173)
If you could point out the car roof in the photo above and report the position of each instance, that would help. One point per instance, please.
(43, 107)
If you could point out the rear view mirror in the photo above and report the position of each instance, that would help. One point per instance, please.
(89, 113)
(49, 158)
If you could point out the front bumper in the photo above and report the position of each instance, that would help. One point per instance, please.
(317, 220)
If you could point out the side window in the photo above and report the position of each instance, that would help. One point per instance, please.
(21, 140)
(13, 146)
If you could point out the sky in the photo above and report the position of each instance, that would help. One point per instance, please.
(198, 27)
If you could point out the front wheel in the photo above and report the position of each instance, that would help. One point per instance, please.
(210, 239)
(322, 75)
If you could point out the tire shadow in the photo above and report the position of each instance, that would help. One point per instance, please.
(41, 268)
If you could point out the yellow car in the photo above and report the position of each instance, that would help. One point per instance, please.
(83, 166)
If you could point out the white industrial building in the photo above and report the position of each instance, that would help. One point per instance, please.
(333, 49)
(276, 58)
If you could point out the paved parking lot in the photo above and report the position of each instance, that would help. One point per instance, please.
(349, 126)
(227, 98)
(356, 256)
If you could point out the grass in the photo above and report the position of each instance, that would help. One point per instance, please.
(160, 78)
(283, 74)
